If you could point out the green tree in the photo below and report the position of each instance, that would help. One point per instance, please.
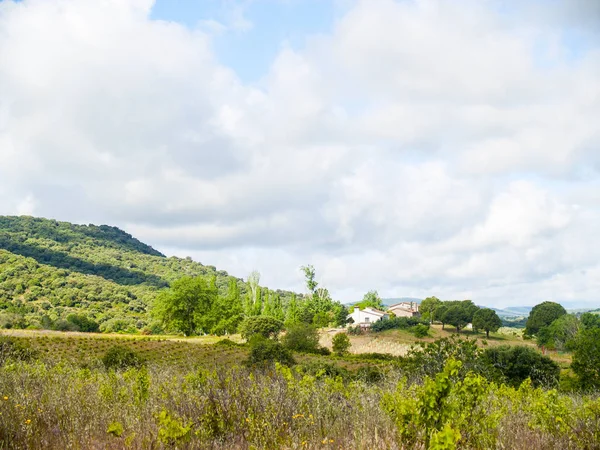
(268, 327)
(371, 300)
(278, 307)
(543, 315)
(486, 319)
(292, 313)
(560, 333)
(301, 337)
(310, 275)
(340, 314)
(586, 358)
(184, 306)
(268, 308)
(458, 316)
(341, 343)
(253, 296)
(228, 311)
(589, 320)
(440, 314)
(514, 364)
(83, 323)
(428, 308)
(321, 319)
(264, 352)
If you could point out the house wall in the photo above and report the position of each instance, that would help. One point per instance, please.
(361, 316)
(400, 312)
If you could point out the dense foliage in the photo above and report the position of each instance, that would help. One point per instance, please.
(586, 358)
(487, 320)
(371, 300)
(341, 343)
(265, 326)
(543, 315)
(120, 357)
(397, 323)
(302, 337)
(50, 271)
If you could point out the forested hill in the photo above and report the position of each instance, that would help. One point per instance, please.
(51, 269)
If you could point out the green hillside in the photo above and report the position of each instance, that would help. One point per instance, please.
(51, 269)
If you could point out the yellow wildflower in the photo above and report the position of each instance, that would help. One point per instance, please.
(5, 397)
(28, 421)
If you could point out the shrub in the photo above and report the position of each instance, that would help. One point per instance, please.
(427, 359)
(267, 351)
(355, 331)
(64, 325)
(264, 326)
(227, 343)
(118, 325)
(369, 374)
(321, 319)
(396, 323)
(341, 343)
(83, 323)
(120, 357)
(324, 369)
(514, 365)
(420, 330)
(586, 358)
(302, 337)
(11, 348)
(377, 356)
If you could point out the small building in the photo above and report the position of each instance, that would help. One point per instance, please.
(405, 309)
(367, 316)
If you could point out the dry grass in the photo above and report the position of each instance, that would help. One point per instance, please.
(399, 342)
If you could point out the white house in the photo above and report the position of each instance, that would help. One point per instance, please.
(366, 316)
(405, 309)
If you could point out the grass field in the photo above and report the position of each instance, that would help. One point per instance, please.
(195, 393)
(88, 348)
(399, 342)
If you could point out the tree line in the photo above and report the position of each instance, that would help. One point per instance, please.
(194, 305)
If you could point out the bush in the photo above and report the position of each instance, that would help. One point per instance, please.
(586, 358)
(323, 370)
(377, 356)
(119, 357)
(420, 330)
(302, 337)
(341, 343)
(64, 325)
(267, 351)
(324, 351)
(428, 359)
(264, 326)
(369, 374)
(118, 325)
(83, 323)
(513, 365)
(227, 343)
(321, 320)
(393, 323)
(355, 331)
(11, 348)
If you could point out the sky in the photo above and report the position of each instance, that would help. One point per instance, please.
(415, 147)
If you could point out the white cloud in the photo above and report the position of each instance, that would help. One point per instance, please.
(421, 147)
